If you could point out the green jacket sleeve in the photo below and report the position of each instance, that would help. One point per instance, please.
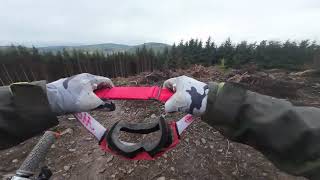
(24, 112)
(287, 135)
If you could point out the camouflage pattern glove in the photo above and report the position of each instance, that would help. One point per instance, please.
(75, 94)
(190, 95)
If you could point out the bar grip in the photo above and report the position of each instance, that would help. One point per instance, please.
(38, 153)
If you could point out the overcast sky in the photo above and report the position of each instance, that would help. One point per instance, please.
(54, 22)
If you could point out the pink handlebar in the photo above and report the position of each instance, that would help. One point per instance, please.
(135, 93)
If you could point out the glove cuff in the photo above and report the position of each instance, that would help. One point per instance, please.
(214, 89)
(224, 104)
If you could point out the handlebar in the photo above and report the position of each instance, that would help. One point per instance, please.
(38, 153)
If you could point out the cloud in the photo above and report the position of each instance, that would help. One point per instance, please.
(98, 21)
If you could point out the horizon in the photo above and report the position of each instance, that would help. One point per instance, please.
(75, 44)
(85, 44)
(80, 22)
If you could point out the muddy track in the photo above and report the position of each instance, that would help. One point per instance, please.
(202, 154)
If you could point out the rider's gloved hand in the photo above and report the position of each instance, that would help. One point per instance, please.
(75, 94)
(190, 95)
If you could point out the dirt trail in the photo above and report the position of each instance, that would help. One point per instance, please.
(202, 154)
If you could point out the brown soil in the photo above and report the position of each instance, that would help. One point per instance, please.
(202, 154)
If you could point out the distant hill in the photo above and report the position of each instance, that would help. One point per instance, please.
(4, 47)
(107, 48)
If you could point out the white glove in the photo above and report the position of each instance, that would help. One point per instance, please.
(75, 94)
(190, 95)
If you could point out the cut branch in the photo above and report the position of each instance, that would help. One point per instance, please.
(9, 77)
(24, 72)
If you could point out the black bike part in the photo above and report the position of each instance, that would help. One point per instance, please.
(45, 173)
(131, 150)
(107, 106)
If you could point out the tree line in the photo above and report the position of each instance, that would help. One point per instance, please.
(266, 54)
(18, 63)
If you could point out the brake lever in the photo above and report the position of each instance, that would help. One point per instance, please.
(107, 106)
